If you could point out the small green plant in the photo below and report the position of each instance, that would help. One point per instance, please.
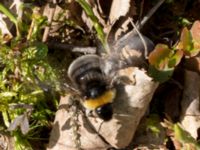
(163, 59)
(178, 134)
(28, 84)
(97, 26)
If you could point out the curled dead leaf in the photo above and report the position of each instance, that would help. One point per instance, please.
(119, 8)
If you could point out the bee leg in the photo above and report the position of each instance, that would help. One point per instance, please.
(89, 113)
(71, 89)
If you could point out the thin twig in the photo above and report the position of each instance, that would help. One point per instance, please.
(52, 7)
(72, 48)
(120, 43)
(87, 50)
(141, 10)
(142, 39)
(148, 16)
(30, 32)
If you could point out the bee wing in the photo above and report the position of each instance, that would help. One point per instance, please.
(81, 65)
(134, 50)
(85, 69)
(129, 55)
(111, 64)
(136, 42)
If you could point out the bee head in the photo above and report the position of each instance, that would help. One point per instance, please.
(102, 105)
(105, 112)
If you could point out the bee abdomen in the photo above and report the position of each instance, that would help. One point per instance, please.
(85, 69)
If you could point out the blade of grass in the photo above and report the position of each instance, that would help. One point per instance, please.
(10, 15)
(97, 26)
(6, 12)
(5, 118)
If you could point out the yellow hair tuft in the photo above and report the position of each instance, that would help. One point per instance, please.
(107, 97)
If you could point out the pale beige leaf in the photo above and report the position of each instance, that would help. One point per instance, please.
(129, 106)
(190, 117)
(119, 8)
(4, 27)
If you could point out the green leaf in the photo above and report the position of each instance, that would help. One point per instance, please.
(39, 22)
(21, 143)
(42, 50)
(195, 31)
(162, 61)
(8, 13)
(159, 56)
(13, 18)
(160, 75)
(153, 124)
(186, 39)
(5, 118)
(196, 49)
(7, 94)
(88, 10)
(184, 137)
(175, 59)
(37, 51)
(186, 43)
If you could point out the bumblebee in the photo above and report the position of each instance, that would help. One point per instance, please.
(93, 76)
(89, 78)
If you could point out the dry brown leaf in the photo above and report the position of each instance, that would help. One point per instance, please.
(119, 8)
(5, 29)
(119, 20)
(129, 107)
(6, 142)
(190, 117)
(193, 64)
